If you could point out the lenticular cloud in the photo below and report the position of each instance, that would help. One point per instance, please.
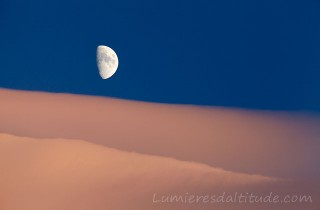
(62, 151)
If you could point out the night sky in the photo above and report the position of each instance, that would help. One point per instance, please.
(248, 54)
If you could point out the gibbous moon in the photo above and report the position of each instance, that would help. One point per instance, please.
(107, 61)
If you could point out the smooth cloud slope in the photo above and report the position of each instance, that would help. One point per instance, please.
(75, 174)
(130, 150)
(273, 144)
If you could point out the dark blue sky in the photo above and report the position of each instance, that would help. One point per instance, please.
(248, 53)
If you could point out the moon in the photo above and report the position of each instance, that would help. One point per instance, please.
(107, 61)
